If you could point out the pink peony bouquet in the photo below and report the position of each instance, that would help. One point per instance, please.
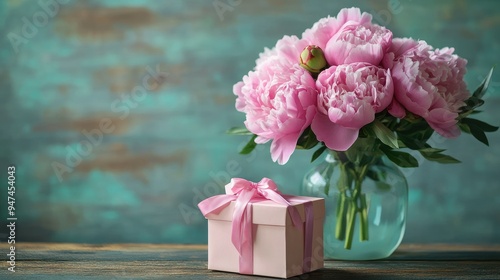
(347, 79)
(350, 87)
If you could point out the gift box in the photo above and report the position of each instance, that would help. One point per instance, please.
(254, 229)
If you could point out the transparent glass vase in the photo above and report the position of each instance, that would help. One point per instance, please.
(375, 222)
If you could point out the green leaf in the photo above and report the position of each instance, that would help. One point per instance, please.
(483, 87)
(479, 134)
(400, 158)
(412, 142)
(471, 103)
(318, 153)
(431, 150)
(475, 100)
(239, 131)
(384, 134)
(480, 124)
(307, 140)
(464, 127)
(414, 134)
(477, 129)
(366, 132)
(422, 133)
(438, 157)
(249, 146)
(420, 146)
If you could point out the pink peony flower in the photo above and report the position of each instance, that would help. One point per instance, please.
(356, 42)
(349, 97)
(350, 37)
(324, 29)
(429, 83)
(279, 99)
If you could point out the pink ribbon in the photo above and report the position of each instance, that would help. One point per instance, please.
(244, 192)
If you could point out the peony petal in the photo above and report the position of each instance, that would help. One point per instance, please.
(282, 148)
(443, 122)
(396, 109)
(369, 53)
(334, 136)
(264, 56)
(290, 47)
(261, 140)
(356, 119)
(353, 14)
(401, 46)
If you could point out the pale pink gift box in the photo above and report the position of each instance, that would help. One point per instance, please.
(280, 249)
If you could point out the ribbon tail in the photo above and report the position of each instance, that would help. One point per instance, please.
(246, 254)
(215, 204)
(241, 230)
(308, 236)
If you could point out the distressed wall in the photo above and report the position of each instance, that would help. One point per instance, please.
(114, 113)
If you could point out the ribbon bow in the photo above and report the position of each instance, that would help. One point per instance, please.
(244, 192)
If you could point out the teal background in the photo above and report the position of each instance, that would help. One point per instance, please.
(164, 151)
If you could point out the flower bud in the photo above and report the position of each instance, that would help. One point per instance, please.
(312, 59)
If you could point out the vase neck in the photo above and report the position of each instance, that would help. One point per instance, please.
(363, 152)
(365, 159)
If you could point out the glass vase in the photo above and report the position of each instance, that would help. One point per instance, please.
(366, 205)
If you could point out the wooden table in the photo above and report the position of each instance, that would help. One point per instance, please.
(151, 261)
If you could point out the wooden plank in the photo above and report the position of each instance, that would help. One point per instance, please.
(47, 246)
(168, 261)
(197, 270)
(43, 246)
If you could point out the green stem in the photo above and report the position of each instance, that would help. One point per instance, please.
(357, 198)
(327, 174)
(341, 217)
(351, 221)
(363, 222)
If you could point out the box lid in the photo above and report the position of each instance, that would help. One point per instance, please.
(271, 213)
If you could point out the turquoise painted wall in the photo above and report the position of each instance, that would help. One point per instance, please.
(114, 113)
